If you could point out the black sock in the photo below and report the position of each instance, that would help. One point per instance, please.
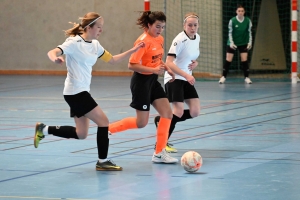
(102, 142)
(175, 119)
(186, 115)
(245, 68)
(226, 68)
(63, 131)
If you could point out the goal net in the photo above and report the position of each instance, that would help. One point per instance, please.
(270, 56)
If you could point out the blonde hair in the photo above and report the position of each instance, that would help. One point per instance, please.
(79, 28)
(190, 15)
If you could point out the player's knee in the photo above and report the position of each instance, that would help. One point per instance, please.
(195, 113)
(179, 113)
(82, 135)
(141, 124)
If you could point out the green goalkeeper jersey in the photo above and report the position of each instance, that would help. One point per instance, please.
(239, 32)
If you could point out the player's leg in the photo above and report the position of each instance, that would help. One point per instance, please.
(226, 66)
(99, 117)
(140, 121)
(140, 86)
(244, 62)
(160, 155)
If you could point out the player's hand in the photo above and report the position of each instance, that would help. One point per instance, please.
(193, 65)
(159, 69)
(59, 60)
(172, 74)
(138, 46)
(190, 79)
(249, 46)
(233, 46)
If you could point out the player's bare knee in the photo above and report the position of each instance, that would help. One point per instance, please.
(82, 135)
(141, 124)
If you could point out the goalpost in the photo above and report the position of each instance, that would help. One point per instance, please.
(273, 56)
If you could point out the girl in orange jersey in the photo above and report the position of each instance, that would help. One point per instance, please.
(147, 65)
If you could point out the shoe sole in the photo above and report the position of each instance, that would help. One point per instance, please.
(35, 142)
(102, 169)
(165, 162)
(171, 151)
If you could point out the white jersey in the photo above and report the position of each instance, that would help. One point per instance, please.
(184, 50)
(81, 55)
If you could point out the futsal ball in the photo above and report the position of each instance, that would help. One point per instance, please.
(191, 161)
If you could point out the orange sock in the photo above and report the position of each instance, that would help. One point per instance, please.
(162, 134)
(122, 125)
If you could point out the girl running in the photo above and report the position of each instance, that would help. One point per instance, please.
(82, 49)
(240, 38)
(147, 65)
(181, 59)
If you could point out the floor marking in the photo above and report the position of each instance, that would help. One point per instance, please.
(19, 197)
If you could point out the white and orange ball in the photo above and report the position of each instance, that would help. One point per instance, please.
(191, 161)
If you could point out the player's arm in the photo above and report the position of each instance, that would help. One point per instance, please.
(143, 69)
(170, 63)
(107, 57)
(55, 55)
(230, 30)
(250, 36)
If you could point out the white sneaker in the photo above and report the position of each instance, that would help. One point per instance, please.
(163, 157)
(222, 80)
(247, 80)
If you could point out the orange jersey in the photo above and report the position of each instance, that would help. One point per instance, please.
(151, 55)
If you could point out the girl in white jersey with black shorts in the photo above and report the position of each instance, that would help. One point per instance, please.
(82, 49)
(182, 60)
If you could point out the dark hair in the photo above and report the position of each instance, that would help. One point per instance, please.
(240, 6)
(80, 28)
(149, 17)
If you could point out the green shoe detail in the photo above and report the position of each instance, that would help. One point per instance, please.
(38, 136)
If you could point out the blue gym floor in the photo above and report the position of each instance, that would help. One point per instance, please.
(248, 136)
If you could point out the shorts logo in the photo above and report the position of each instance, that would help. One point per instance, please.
(144, 107)
(57, 127)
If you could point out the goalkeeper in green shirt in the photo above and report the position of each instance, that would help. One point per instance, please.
(239, 37)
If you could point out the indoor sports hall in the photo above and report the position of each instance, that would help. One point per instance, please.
(247, 134)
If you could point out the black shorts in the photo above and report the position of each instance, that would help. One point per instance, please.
(179, 90)
(242, 49)
(145, 89)
(80, 103)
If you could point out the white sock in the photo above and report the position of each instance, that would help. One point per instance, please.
(103, 160)
(45, 130)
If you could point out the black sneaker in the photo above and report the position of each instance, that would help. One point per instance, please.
(108, 165)
(156, 120)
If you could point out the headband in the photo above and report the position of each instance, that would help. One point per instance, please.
(194, 16)
(92, 22)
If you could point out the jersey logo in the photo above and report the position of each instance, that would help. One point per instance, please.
(236, 26)
(153, 49)
(78, 40)
(184, 40)
(175, 43)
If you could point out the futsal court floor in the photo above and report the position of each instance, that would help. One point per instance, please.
(248, 136)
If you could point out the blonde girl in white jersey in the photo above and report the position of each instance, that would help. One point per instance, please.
(181, 59)
(81, 50)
